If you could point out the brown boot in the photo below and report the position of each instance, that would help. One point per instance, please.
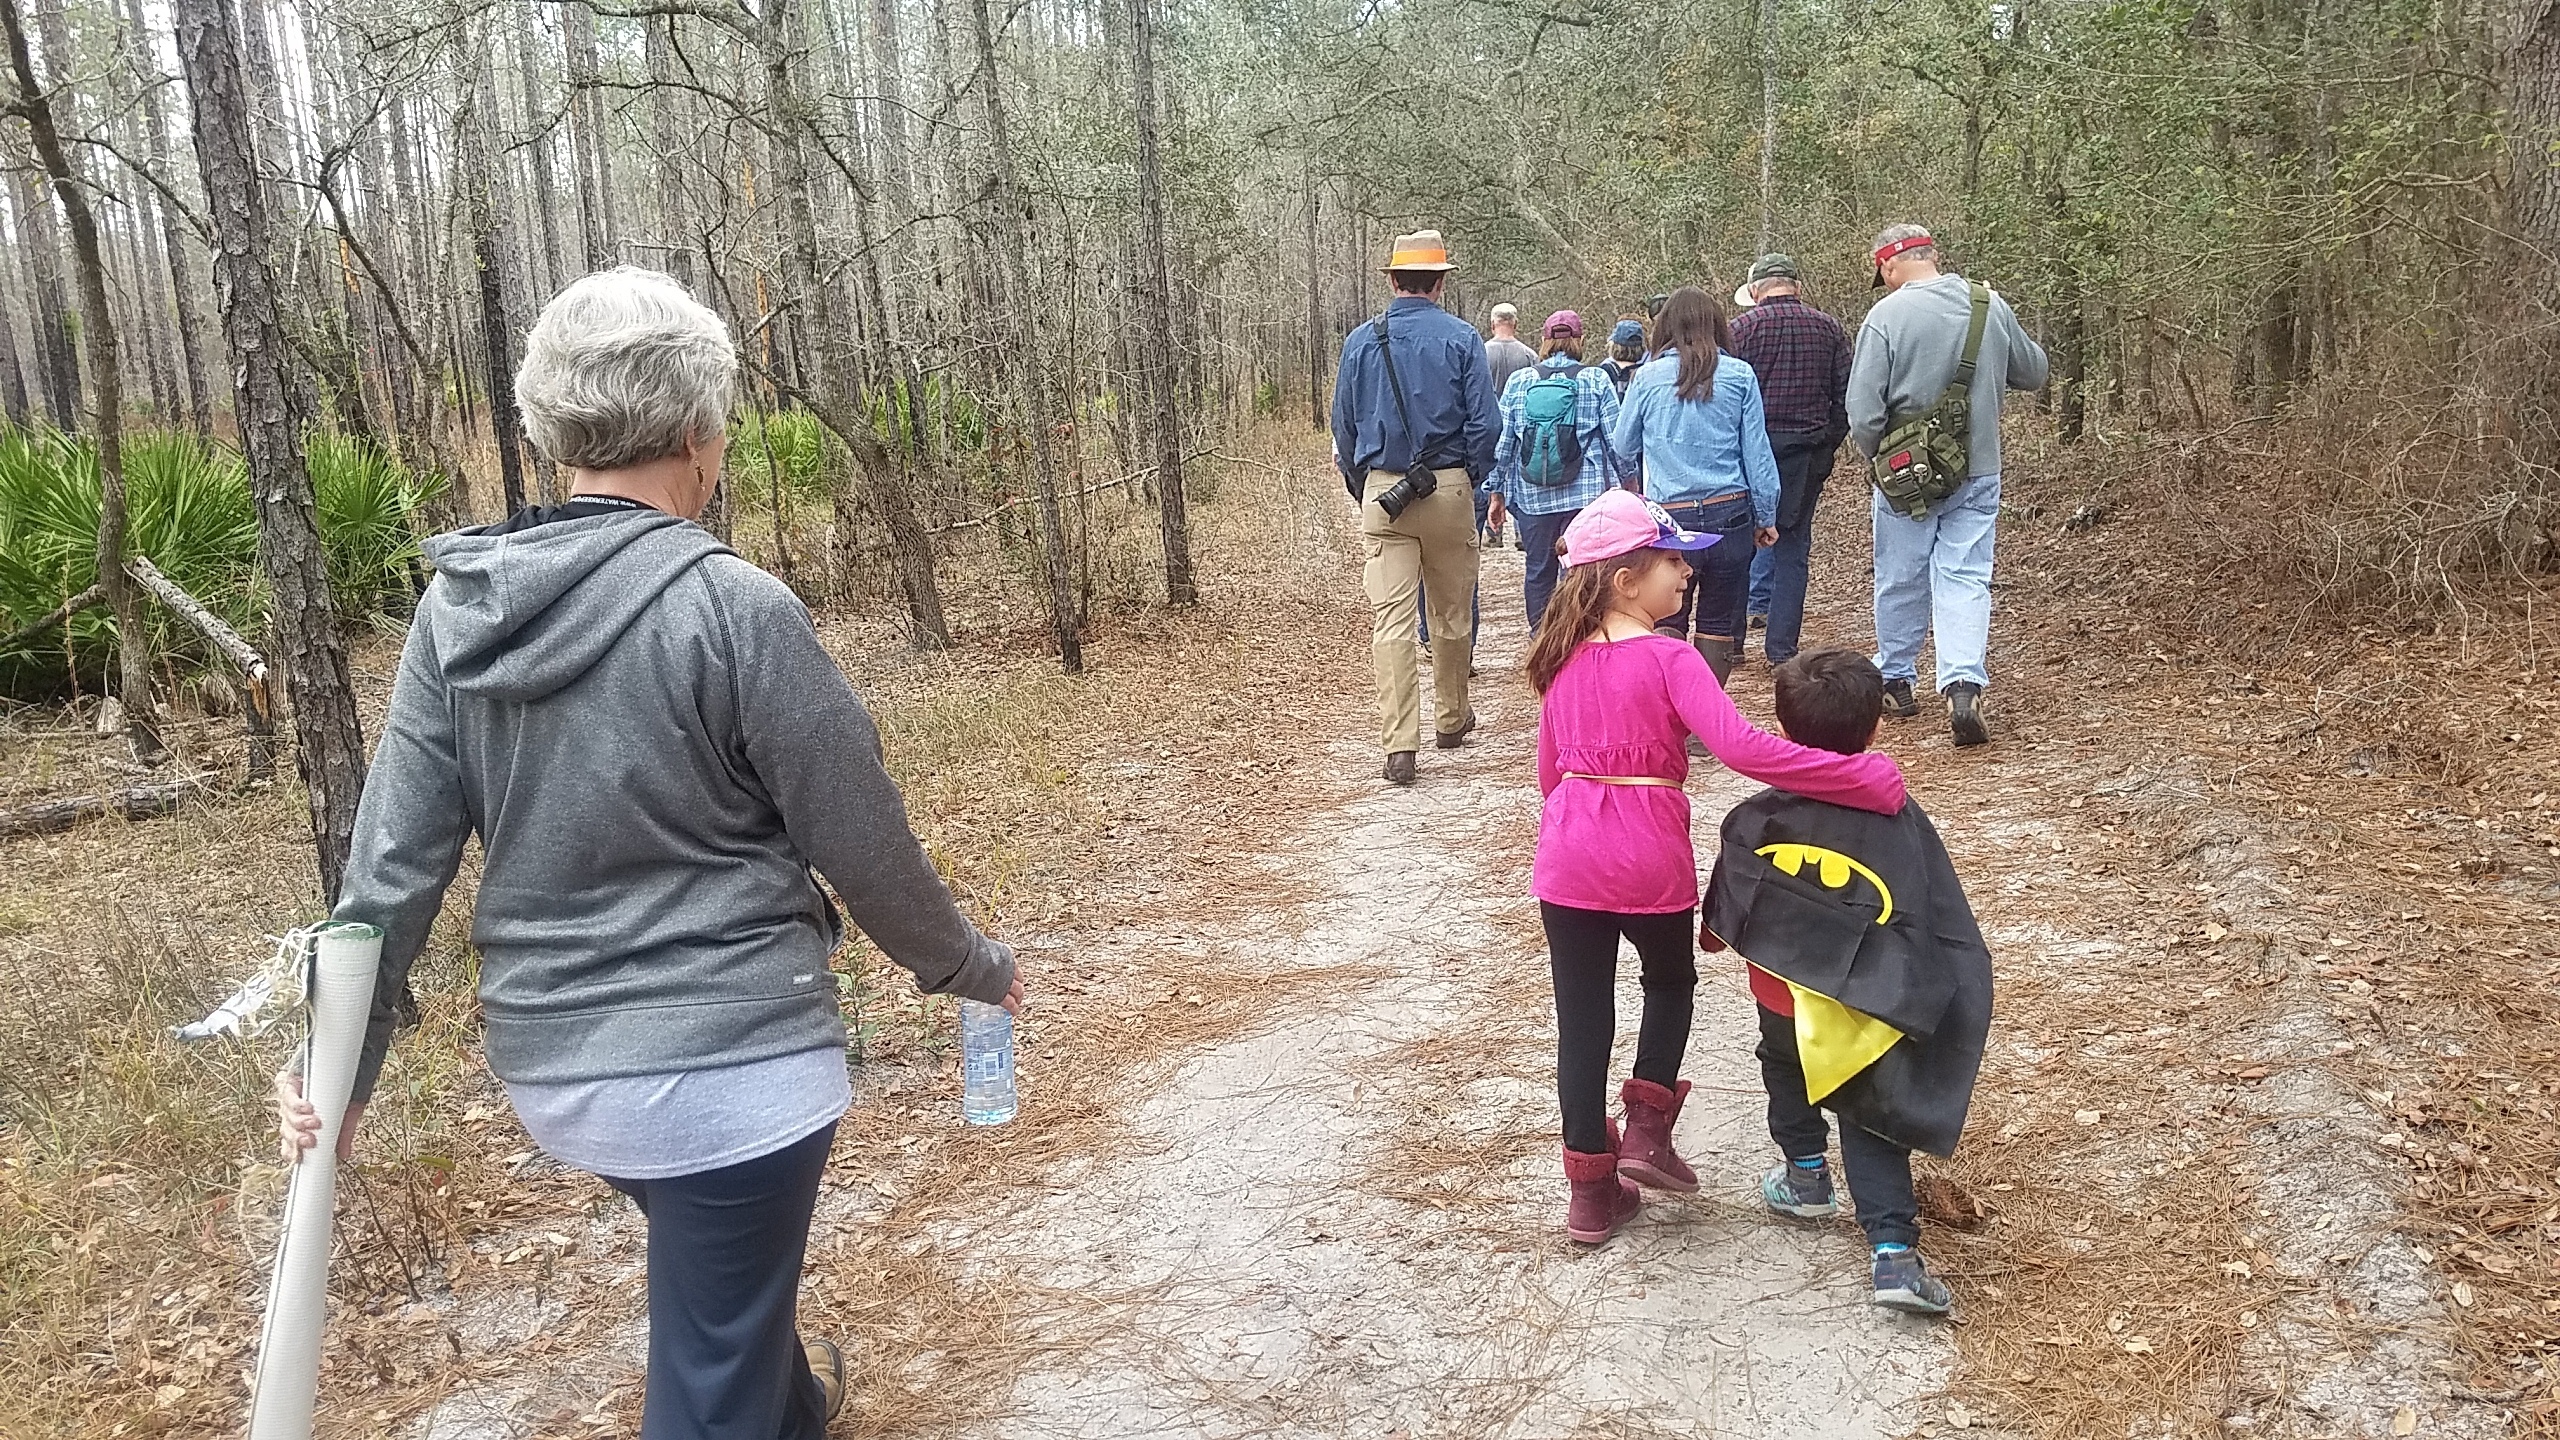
(826, 1363)
(1602, 1201)
(1645, 1155)
(1399, 769)
(1452, 739)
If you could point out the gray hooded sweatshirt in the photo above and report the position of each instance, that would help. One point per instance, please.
(655, 752)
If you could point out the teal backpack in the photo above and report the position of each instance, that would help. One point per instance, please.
(1552, 455)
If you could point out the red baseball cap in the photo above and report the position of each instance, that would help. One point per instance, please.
(1892, 248)
(1563, 323)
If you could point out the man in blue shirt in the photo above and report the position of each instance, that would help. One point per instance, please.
(1437, 410)
(1547, 502)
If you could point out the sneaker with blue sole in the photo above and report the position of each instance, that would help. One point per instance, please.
(1903, 1282)
(1798, 1191)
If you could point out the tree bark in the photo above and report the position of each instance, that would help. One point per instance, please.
(1318, 414)
(106, 378)
(2530, 79)
(1172, 508)
(488, 258)
(330, 749)
(1019, 344)
(1768, 126)
(832, 380)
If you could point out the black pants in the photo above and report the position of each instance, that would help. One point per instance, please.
(725, 1248)
(1582, 950)
(1878, 1171)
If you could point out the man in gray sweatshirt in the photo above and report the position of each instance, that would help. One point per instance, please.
(1934, 573)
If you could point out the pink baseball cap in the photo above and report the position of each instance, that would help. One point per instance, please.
(1563, 322)
(1622, 522)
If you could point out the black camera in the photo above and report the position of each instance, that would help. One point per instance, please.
(1419, 483)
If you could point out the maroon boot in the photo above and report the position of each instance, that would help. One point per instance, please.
(1646, 1156)
(1602, 1201)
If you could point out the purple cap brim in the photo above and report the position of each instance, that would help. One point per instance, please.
(1686, 540)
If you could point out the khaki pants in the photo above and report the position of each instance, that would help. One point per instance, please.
(1430, 549)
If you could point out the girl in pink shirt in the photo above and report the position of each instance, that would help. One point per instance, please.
(1613, 841)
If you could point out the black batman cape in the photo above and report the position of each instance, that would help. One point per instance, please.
(1922, 968)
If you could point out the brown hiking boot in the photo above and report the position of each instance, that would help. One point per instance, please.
(826, 1362)
(1399, 769)
(1452, 739)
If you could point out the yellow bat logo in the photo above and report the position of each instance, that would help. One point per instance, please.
(1830, 866)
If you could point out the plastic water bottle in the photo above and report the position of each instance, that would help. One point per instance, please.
(986, 1063)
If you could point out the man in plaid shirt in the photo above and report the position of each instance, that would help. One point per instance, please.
(1801, 357)
(1544, 510)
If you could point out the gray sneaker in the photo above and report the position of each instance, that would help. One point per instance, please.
(1903, 1282)
(1791, 1189)
(1899, 702)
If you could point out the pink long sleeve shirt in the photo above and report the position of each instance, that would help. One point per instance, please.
(1626, 708)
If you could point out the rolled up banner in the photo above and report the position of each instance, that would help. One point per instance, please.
(287, 1386)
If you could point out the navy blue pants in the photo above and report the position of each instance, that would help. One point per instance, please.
(1802, 470)
(1539, 533)
(1720, 575)
(1878, 1171)
(725, 1248)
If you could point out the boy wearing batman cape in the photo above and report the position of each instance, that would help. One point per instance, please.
(1873, 981)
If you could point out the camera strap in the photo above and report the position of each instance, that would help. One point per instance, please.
(1387, 352)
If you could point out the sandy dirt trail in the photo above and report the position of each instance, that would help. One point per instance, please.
(1348, 1220)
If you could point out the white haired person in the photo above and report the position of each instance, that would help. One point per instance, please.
(1933, 568)
(656, 754)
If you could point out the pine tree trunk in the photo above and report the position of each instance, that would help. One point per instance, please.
(173, 232)
(831, 381)
(586, 136)
(106, 376)
(1173, 510)
(330, 748)
(546, 186)
(1318, 413)
(1019, 344)
(478, 180)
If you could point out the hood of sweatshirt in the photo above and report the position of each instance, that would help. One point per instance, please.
(519, 616)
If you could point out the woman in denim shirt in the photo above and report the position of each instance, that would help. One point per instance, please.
(1692, 416)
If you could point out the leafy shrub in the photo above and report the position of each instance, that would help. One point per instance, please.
(190, 512)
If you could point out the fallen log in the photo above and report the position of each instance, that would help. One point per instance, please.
(64, 611)
(135, 802)
(258, 716)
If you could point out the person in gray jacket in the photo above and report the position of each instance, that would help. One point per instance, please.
(659, 760)
(1934, 573)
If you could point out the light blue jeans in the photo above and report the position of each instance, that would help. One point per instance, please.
(1935, 573)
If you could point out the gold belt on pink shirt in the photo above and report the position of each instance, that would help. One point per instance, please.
(1624, 779)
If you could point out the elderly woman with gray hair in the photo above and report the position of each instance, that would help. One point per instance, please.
(656, 755)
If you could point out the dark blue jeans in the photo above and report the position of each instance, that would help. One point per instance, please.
(1720, 575)
(1540, 534)
(1801, 473)
(725, 1248)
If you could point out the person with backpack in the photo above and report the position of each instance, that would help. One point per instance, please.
(1931, 362)
(1553, 455)
(1626, 354)
(1693, 420)
(1413, 433)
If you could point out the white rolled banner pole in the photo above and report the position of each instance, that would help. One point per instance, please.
(287, 1386)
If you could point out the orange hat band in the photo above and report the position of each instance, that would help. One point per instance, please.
(1414, 259)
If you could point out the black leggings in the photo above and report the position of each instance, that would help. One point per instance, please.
(1582, 950)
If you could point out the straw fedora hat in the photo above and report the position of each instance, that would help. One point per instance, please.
(1421, 250)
